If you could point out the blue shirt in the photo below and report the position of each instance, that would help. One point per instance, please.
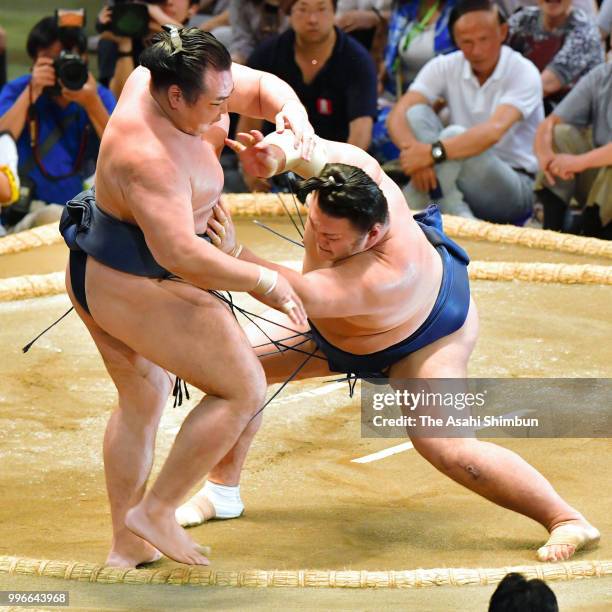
(343, 90)
(63, 155)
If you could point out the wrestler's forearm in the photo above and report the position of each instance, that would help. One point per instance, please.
(274, 93)
(206, 267)
(313, 304)
(259, 94)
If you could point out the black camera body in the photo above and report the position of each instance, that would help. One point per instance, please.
(70, 68)
(70, 71)
(128, 18)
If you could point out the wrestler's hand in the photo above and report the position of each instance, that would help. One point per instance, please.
(257, 157)
(221, 229)
(293, 116)
(285, 299)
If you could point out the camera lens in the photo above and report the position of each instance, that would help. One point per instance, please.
(71, 71)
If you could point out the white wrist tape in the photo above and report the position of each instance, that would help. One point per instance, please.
(266, 282)
(293, 161)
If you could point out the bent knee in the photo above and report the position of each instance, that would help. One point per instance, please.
(452, 130)
(248, 391)
(418, 113)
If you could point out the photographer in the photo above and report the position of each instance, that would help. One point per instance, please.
(126, 30)
(57, 122)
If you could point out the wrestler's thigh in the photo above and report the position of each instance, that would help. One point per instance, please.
(177, 326)
(138, 380)
(445, 358)
(279, 362)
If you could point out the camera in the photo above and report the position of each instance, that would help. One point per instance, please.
(70, 68)
(70, 71)
(128, 18)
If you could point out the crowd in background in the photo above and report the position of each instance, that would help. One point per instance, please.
(498, 111)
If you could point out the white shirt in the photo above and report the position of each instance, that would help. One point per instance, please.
(515, 82)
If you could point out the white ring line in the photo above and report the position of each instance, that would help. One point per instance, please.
(400, 448)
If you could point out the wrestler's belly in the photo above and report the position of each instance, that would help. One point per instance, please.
(350, 336)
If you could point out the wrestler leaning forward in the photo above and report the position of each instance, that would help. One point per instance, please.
(139, 270)
(381, 300)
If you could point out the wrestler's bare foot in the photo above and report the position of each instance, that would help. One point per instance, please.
(130, 550)
(155, 522)
(567, 538)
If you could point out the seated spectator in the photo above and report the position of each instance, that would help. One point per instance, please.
(361, 18)
(517, 594)
(57, 130)
(483, 163)
(418, 31)
(253, 21)
(604, 20)
(574, 150)
(589, 7)
(332, 74)
(213, 16)
(118, 56)
(561, 41)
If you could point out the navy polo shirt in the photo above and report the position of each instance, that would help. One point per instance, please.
(61, 158)
(343, 90)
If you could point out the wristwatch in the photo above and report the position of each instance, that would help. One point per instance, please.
(438, 152)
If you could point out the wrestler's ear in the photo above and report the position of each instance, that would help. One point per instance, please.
(374, 233)
(175, 96)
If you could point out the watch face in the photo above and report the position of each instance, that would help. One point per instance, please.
(436, 152)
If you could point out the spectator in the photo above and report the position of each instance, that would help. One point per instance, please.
(252, 22)
(215, 20)
(418, 31)
(332, 74)
(562, 42)
(118, 56)
(604, 20)
(574, 144)
(57, 132)
(511, 6)
(361, 18)
(483, 164)
(517, 594)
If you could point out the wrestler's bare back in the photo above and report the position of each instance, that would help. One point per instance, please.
(400, 276)
(138, 130)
